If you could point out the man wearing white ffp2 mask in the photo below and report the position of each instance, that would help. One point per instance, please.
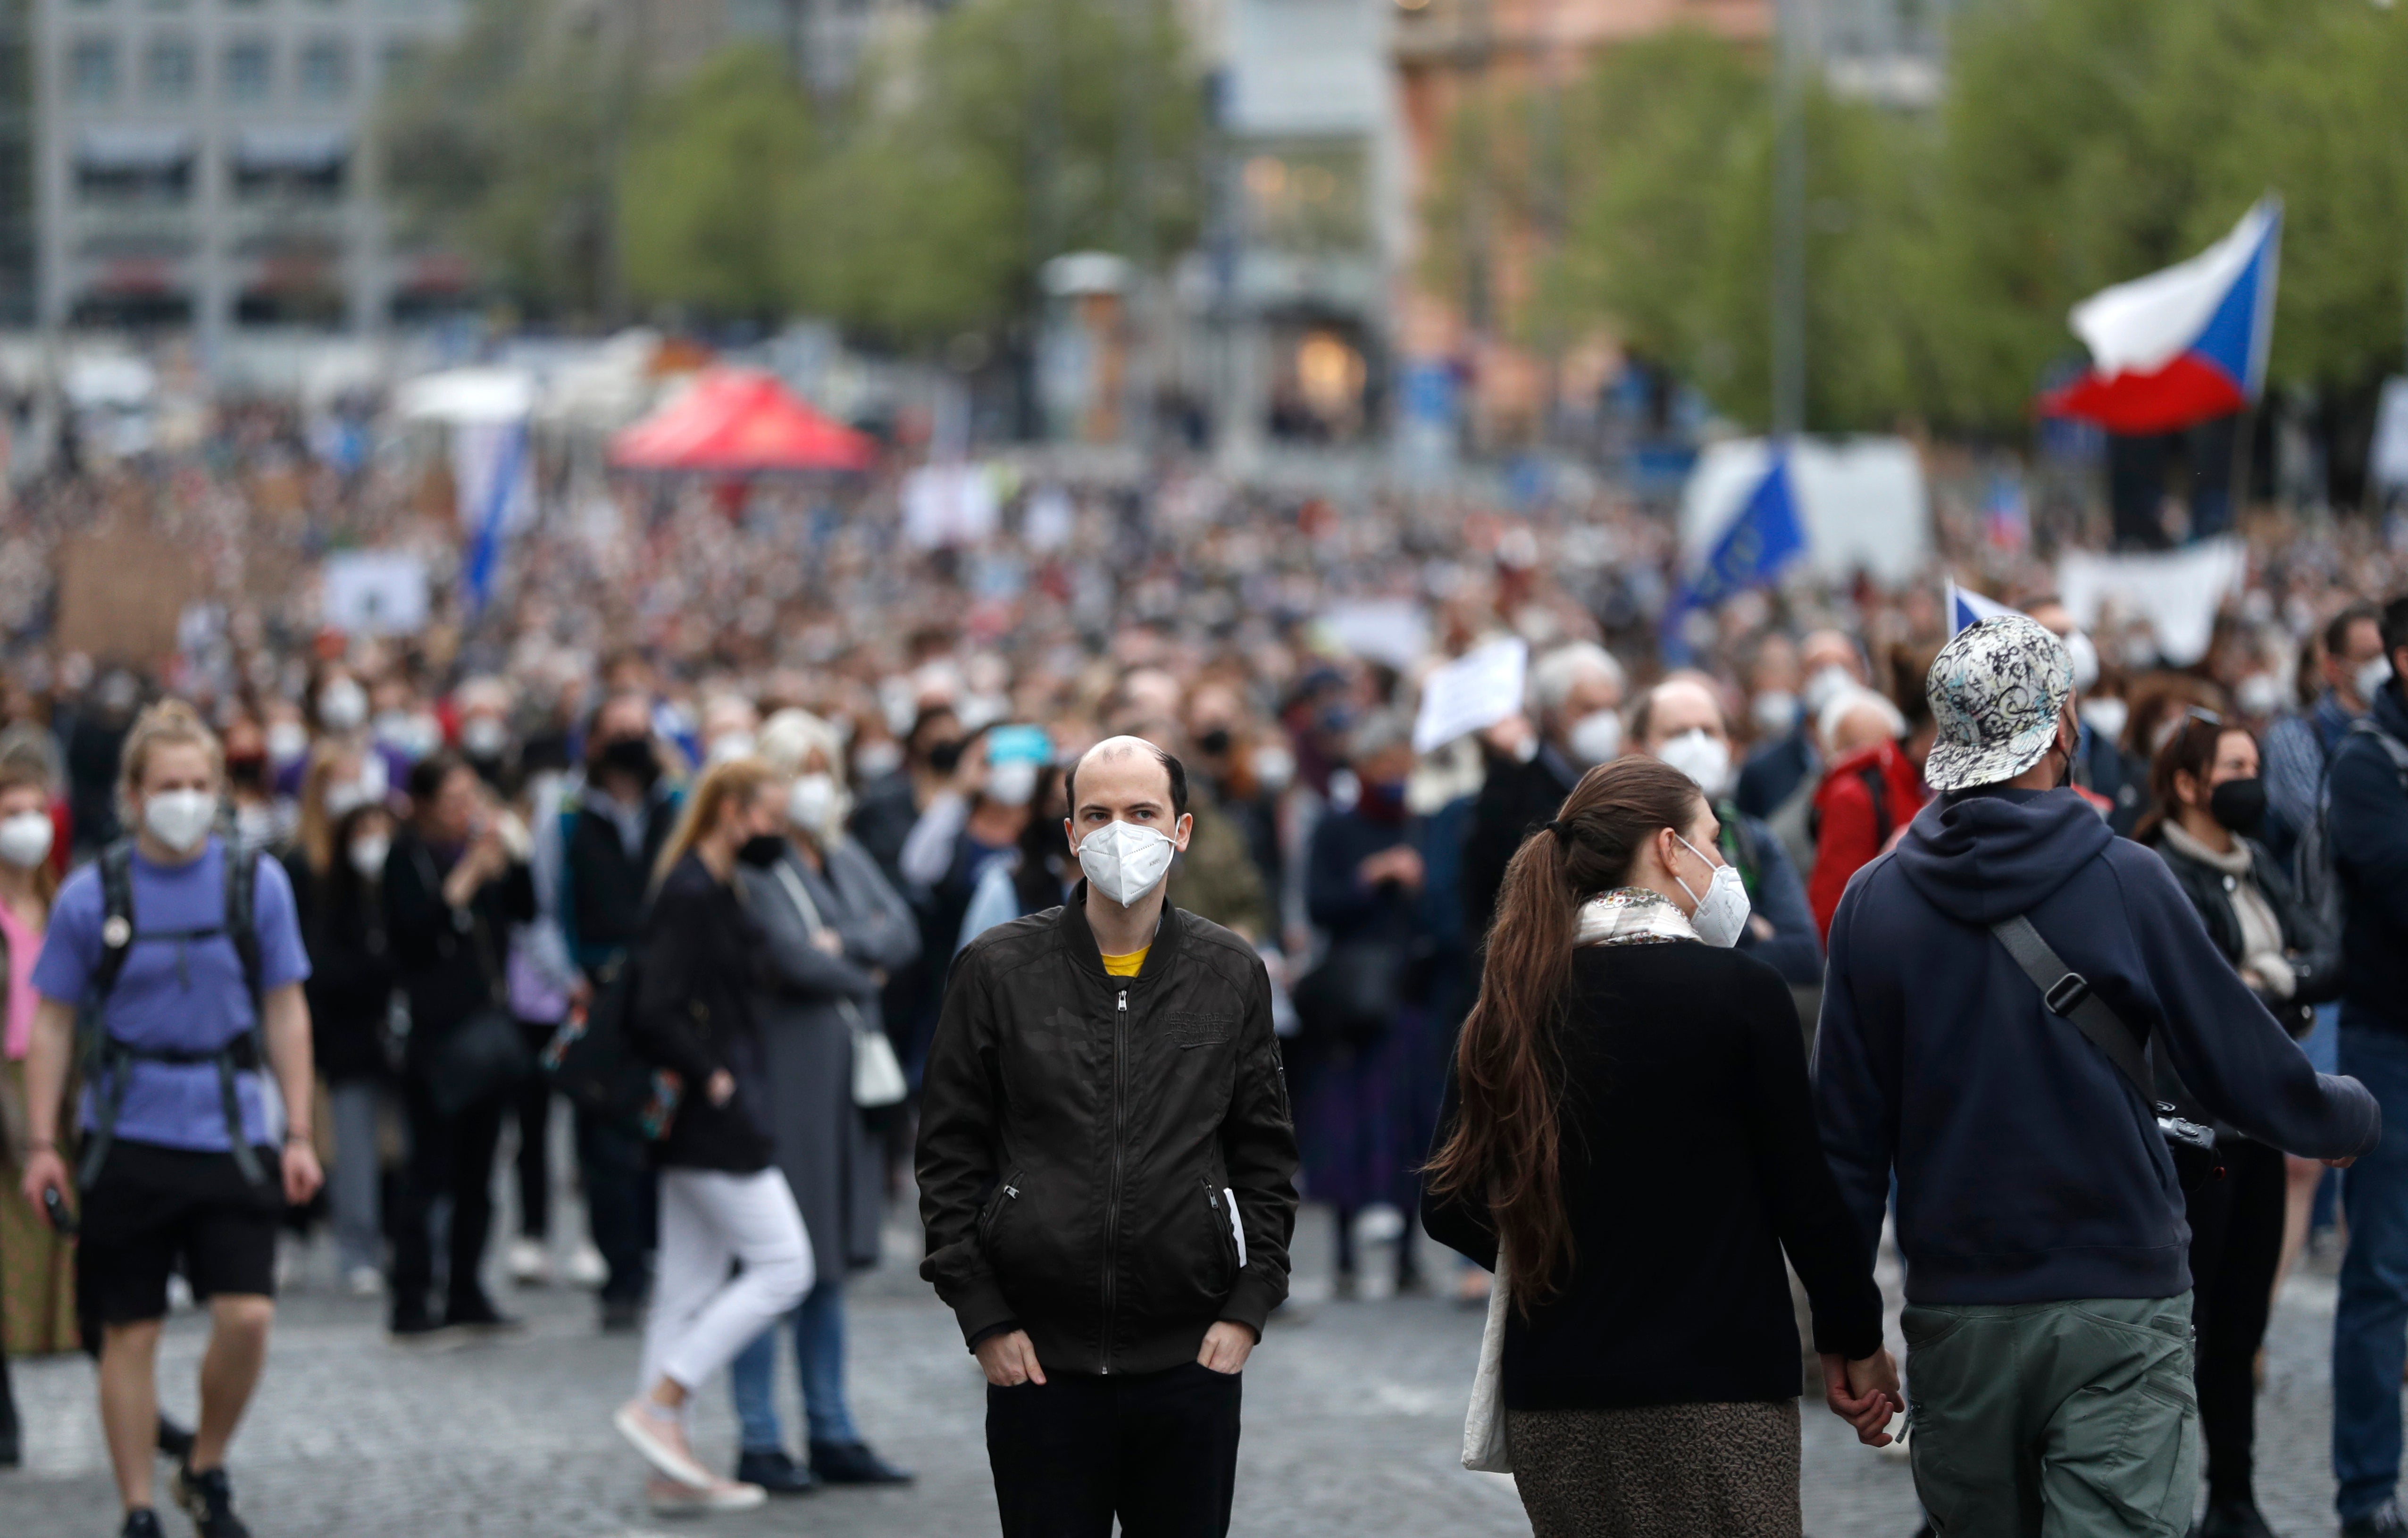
(1027, 1194)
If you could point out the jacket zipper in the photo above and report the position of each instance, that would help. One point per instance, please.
(1112, 1206)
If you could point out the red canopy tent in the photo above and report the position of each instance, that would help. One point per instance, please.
(740, 421)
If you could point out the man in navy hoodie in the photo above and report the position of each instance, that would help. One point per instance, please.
(2039, 1213)
(2368, 826)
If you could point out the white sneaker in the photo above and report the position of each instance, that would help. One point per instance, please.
(586, 1266)
(668, 1498)
(364, 1281)
(646, 1433)
(530, 1263)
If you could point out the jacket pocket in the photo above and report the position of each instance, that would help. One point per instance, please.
(1006, 1195)
(1224, 1231)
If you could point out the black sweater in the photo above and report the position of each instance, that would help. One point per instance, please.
(351, 967)
(448, 959)
(693, 1014)
(1690, 1163)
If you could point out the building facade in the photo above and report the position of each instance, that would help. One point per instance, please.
(208, 164)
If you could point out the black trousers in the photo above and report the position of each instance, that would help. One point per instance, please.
(449, 1156)
(532, 1103)
(1157, 1449)
(620, 1203)
(2236, 1241)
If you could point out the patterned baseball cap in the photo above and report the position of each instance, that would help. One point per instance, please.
(1996, 692)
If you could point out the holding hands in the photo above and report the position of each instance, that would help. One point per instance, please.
(1864, 1393)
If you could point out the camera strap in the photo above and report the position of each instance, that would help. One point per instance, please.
(2068, 993)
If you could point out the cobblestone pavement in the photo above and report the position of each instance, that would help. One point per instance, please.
(1354, 1423)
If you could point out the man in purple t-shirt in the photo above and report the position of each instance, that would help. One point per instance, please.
(171, 1189)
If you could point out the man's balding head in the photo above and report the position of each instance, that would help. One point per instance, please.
(1126, 760)
(1673, 706)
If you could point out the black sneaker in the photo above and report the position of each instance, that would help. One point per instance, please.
(853, 1463)
(175, 1442)
(774, 1469)
(621, 1315)
(208, 1501)
(2384, 1521)
(141, 1522)
(419, 1332)
(477, 1316)
(2233, 1520)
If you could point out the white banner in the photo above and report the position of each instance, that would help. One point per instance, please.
(1477, 689)
(2176, 591)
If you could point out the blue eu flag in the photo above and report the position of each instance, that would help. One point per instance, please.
(1764, 538)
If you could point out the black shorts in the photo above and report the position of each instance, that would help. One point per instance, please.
(154, 1210)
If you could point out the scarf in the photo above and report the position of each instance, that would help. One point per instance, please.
(1631, 915)
(2261, 931)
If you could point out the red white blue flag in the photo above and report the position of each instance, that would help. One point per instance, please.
(2185, 345)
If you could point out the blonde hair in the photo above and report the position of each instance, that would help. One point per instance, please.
(24, 768)
(169, 723)
(316, 832)
(736, 781)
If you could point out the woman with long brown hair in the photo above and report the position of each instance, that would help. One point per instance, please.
(1628, 1130)
(36, 1266)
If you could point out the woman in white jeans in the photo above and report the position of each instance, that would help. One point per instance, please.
(722, 1198)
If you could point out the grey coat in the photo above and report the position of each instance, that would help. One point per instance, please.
(823, 1146)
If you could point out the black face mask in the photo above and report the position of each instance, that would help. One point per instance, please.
(631, 755)
(945, 756)
(2239, 805)
(1214, 743)
(761, 851)
(248, 770)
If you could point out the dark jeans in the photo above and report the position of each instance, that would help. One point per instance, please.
(1157, 1449)
(2371, 1320)
(454, 1156)
(531, 1101)
(2236, 1240)
(619, 1203)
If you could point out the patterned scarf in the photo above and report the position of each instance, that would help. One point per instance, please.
(1631, 915)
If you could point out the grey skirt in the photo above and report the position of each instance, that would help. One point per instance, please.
(1665, 1471)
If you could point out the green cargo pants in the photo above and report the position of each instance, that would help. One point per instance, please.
(2055, 1420)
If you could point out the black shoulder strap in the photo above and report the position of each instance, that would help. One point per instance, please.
(241, 887)
(2068, 993)
(116, 919)
(2392, 747)
(1878, 788)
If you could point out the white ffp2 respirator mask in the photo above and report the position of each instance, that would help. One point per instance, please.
(1124, 860)
(1720, 913)
(181, 819)
(1704, 757)
(25, 838)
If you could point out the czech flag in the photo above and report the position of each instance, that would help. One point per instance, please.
(2185, 345)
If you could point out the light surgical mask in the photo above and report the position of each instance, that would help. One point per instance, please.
(2085, 656)
(1703, 757)
(1595, 737)
(25, 838)
(1829, 682)
(484, 736)
(2106, 716)
(342, 705)
(813, 804)
(1774, 711)
(181, 819)
(1274, 766)
(288, 743)
(2371, 675)
(2259, 695)
(367, 853)
(1721, 912)
(728, 746)
(876, 760)
(1012, 782)
(1125, 861)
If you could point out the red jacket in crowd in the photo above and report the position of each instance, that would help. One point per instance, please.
(1865, 801)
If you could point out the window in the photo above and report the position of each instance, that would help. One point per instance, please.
(326, 70)
(248, 70)
(168, 69)
(91, 69)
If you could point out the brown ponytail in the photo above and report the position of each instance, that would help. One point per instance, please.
(1503, 1148)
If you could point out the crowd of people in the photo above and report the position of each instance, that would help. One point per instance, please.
(749, 779)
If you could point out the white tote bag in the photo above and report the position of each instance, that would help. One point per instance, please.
(877, 1076)
(1483, 1424)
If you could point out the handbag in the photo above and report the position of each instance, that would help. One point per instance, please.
(877, 1075)
(590, 1060)
(1483, 1424)
(485, 1054)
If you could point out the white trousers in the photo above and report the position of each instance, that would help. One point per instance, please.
(701, 1316)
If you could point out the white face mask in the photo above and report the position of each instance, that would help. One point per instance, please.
(25, 840)
(2259, 695)
(1012, 782)
(879, 759)
(812, 804)
(1595, 737)
(1775, 712)
(368, 852)
(2106, 716)
(484, 736)
(1126, 861)
(1702, 757)
(730, 745)
(2371, 675)
(288, 741)
(2085, 655)
(342, 705)
(1274, 766)
(1720, 913)
(1828, 683)
(181, 819)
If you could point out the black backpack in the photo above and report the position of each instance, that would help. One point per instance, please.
(107, 1060)
(590, 1060)
(2314, 872)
